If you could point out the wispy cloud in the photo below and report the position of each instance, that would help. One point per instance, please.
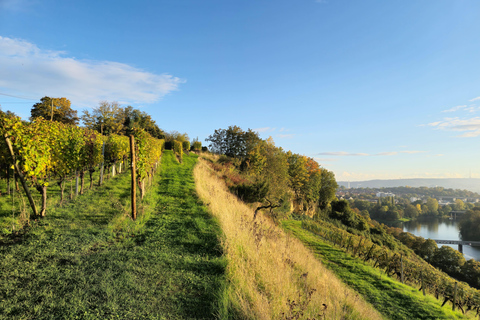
(470, 127)
(320, 160)
(342, 154)
(272, 130)
(29, 70)
(464, 107)
(474, 99)
(348, 154)
(285, 136)
(361, 176)
(265, 129)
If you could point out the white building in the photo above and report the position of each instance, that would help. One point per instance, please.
(384, 194)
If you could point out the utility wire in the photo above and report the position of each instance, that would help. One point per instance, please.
(13, 96)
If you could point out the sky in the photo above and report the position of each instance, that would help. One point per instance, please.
(370, 89)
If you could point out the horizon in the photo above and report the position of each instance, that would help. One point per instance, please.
(371, 90)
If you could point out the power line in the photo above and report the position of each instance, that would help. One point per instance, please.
(24, 102)
(13, 96)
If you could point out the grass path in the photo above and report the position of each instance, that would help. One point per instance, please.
(86, 260)
(393, 299)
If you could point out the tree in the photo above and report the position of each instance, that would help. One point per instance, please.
(233, 142)
(459, 205)
(107, 118)
(411, 211)
(328, 187)
(432, 205)
(55, 109)
(298, 173)
(471, 273)
(134, 118)
(470, 224)
(427, 249)
(448, 260)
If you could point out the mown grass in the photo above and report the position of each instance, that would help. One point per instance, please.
(88, 260)
(393, 299)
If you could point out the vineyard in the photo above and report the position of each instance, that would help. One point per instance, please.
(44, 153)
(407, 268)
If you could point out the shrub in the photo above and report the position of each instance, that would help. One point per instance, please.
(178, 148)
(186, 145)
(254, 192)
(197, 146)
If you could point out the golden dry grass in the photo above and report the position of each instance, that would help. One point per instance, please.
(271, 275)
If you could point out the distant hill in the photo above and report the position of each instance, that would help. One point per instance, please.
(470, 184)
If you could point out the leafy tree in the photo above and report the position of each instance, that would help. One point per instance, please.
(427, 249)
(432, 205)
(470, 225)
(298, 173)
(328, 188)
(233, 142)
(448, 259)
(56, 109)
(134, 118)
(411, 211)
(471, 273)
(445, 210)
(107, 118)
(459, 205)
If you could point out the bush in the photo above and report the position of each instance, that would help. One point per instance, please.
(254, 192)
(178, 148)
(197, 146)
(186, 145)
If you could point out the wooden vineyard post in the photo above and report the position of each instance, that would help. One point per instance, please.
(423, 285)
(102, 165)
(76, 183)
(401, 267)
(454, 296)
(134, 191)
(20, 175)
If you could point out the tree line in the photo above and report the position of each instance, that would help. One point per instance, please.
(258, 171)
(390, 208)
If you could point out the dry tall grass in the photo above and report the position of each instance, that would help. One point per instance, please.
(271, 275)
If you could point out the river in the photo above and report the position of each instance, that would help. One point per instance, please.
(440, 229)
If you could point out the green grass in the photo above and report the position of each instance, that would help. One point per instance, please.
(88, 260)
(393, 299)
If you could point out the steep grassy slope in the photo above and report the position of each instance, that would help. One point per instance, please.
(88, 260)
(271, 275)
(390, 297)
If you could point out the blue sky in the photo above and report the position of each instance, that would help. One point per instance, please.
(371, 89)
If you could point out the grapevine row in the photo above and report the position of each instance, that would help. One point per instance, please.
(409, 269)
(49, 150)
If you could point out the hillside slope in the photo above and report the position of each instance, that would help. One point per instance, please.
(270, 274)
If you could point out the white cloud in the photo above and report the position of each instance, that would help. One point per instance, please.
(471, 108)
(348, 154)
(264, 129)
(361, 176)
(325, 160)
(474, 99)
(412, 151)
(470, 127)
(29, 70)
(287, 136)
(342, 154)
(455, 108)
(392, 153)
